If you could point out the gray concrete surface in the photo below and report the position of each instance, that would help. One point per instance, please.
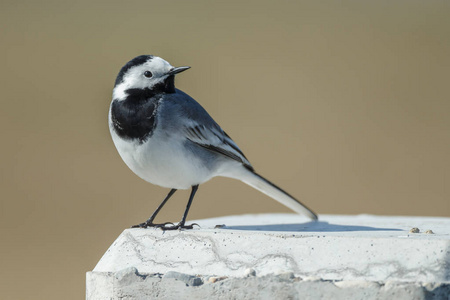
(280, 256)
(130, 284)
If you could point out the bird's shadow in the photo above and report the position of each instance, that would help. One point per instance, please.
(317, 226)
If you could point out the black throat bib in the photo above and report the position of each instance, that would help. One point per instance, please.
(135, 117)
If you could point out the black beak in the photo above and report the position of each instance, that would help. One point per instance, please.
(177, 70)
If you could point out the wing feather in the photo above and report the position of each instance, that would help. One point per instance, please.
(215, 139)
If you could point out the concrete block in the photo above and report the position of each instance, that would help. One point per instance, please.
(280, 255)
(152, 286)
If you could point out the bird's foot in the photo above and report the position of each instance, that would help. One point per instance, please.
(150, 224)
(179, 226)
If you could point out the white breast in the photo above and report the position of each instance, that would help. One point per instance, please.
(162, 160)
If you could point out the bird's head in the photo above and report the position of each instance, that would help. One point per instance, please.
(147, 73)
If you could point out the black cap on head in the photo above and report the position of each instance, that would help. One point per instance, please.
(134, 62)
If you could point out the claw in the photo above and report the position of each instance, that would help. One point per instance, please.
(146, 225)
(163, 225)
(142, 225)
(164, 228)
(178, 226)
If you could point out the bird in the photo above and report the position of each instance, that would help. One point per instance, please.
(168, 139)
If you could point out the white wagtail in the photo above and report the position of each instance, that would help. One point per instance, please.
(168, 139)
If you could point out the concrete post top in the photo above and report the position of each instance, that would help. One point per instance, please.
(362, 247)
(364, 226)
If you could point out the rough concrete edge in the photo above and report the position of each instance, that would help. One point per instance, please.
(129, 283)
(99, 284)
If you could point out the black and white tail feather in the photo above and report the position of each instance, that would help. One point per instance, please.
(265, 186)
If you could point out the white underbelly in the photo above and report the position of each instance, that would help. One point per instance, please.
(165, 163)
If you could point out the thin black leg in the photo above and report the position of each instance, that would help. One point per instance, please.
(183, 220)
(191, 197)
(149, 222)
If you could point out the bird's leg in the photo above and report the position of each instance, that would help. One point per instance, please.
(182, 225)
(149, 222)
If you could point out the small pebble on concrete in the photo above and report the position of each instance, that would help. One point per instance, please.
(414, 230)
(190, 280)
(215, 279)
(249, 272)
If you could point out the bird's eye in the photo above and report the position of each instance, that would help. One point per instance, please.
(148, 74)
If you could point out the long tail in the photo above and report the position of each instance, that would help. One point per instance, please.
(265, 186)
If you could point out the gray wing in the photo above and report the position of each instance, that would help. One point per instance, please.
(213, 138)
(198, 127)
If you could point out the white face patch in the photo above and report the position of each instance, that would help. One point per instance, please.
(134, 78)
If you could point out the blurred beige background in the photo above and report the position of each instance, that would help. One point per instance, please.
(343, 104)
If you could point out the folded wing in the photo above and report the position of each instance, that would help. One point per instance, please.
(215, 139)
